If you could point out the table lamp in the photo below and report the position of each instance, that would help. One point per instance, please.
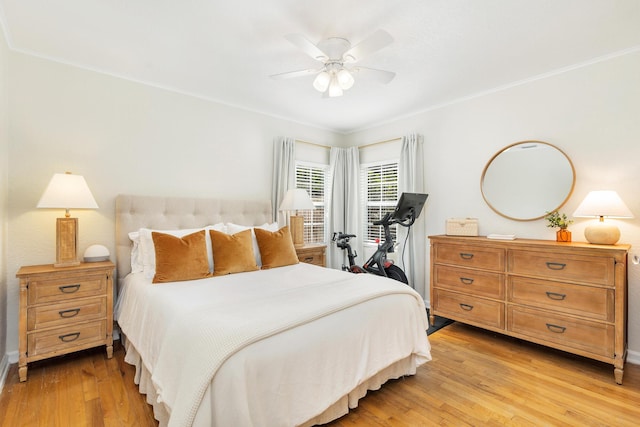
(603, 203)
(67, 191)
(296, 200)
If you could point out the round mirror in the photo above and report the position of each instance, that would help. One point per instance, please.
(525, 180)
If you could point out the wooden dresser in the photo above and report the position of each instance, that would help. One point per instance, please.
(312, 253)
(569, 296)
(63, 310)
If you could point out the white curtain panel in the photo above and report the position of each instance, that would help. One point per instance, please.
(411, 180)
(343, 201)
(284, 174)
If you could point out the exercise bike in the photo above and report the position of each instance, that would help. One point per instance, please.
(405, 214)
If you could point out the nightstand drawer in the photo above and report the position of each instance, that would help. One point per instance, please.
(312, 258)
(594, 337)
(60, 339)
(51, 290)
(66, 313)
(311, 254)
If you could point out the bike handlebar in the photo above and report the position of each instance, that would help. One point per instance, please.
(387, 220)
(340, 236)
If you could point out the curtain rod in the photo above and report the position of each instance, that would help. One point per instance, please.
(380, 142)
(313, 143)
(360, 146)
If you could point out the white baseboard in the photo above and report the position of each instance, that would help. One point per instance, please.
(633, 357)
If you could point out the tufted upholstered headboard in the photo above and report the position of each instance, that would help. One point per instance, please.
(171, 213)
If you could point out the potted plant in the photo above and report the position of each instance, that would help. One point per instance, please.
(561, 222)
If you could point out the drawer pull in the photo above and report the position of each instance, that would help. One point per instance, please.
(556, 266)
(466, 280)
(69, 313)
(556, 329)
(69, 289)
(308, 259)
(69, 337)
(465, 255)
(556, 296)
(466, 307)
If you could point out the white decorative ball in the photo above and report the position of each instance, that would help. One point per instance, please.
(96, 253)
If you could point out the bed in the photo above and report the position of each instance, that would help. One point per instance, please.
(292, 345)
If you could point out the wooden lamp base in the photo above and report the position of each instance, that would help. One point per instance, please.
(296, 224)
(66, 242)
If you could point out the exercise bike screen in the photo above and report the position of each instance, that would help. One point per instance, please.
(409, 203)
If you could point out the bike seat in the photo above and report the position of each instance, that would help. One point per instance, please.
(345, 236)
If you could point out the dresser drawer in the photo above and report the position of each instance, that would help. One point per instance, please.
(61, 289)
(66, 313)
(469, 308)
(586, 301)
(474, 282)
(593, 337)
(60, 339)
(560, 266)
(470, 256)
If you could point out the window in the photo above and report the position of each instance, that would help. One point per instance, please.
(379, 183)
(312, 177)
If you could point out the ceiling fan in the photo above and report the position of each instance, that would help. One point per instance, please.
(336, 54)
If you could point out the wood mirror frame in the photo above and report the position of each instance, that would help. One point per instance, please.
(525, 180)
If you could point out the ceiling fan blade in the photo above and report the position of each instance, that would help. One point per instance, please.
(375, 42)
(307, 47)
(292, 74)
(381, 76)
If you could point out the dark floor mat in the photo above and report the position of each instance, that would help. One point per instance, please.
(439, 323)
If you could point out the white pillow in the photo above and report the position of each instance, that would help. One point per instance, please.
(136, 258)
(235, 228)
(147, 251)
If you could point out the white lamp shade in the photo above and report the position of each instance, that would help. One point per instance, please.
(296, 199)
(603, 203)
(67, 191)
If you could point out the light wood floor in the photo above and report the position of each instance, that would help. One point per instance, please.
(476, 378)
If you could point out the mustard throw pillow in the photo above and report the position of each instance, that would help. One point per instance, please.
(276, 247)
(232, 253)
(180, 258)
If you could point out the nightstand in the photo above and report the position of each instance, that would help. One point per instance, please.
(312, 253)
(64, 309)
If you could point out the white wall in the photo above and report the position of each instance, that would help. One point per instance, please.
(123, 137)
(4, 163)
(592, 113)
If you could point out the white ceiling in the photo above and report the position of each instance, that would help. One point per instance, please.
(225, 51)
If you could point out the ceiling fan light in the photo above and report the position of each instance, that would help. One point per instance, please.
(321, 82)
(345, 79)
(334, 88)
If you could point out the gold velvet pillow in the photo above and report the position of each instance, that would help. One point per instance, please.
(180, 258)
(276, 247)
(232, 253)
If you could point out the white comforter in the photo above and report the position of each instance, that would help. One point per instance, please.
(189, 334)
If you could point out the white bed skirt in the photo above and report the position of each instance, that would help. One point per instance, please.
(142, 378)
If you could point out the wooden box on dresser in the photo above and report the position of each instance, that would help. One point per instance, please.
(569, 296)
(64, 309)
